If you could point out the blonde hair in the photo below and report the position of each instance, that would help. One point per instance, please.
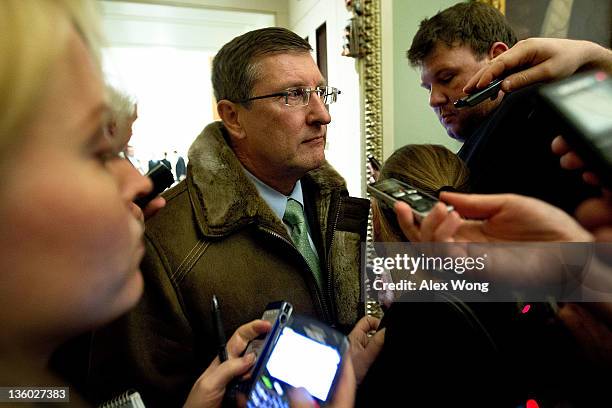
(33, 35)
(427, 167)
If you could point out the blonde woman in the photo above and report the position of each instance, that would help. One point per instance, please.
(427, 336)
(70, 236)
(431, 168)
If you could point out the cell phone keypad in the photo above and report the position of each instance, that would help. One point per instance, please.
(267, 393)
(417, 201)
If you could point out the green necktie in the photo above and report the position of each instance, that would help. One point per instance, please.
(294, 217)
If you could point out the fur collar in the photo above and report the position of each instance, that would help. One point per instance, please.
(224, 198)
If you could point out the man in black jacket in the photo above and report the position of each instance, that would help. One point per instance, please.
(507, 139)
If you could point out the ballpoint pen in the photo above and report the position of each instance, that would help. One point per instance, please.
(218, 323)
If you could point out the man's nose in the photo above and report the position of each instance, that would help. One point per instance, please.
(437, 97)
(318, 113)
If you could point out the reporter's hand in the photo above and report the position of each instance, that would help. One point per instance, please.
(364, 349)
(344, 396)
(501, 218)
(438, 226)
(209, 389)
(543, 59)
(571, 161)
(595, 214)
(495, 218)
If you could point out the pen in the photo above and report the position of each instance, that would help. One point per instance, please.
(216, 315)
(490, 91)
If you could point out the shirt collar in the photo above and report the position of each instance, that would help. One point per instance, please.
(275, 200)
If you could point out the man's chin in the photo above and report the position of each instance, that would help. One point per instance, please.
(314, 162)
(455, 135)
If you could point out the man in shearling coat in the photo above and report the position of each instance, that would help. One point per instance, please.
(226, 229)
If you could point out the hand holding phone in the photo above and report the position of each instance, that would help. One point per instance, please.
(390, 190)
(280, 311)
(303, 353)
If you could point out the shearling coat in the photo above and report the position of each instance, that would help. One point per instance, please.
(217, 236)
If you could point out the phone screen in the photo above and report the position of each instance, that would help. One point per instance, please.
(302, 362)
(582, 105)
(592, 107)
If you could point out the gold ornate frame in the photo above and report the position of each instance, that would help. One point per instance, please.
(372, 81)
(498, 4)
(371, 84)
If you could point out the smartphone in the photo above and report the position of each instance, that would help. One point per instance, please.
(278, 313)
(305, 353)
(390, 190)
(280, 310)
(490, 92)
(162, 178)
(581, 106)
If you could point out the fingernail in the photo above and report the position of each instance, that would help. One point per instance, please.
(507, 85)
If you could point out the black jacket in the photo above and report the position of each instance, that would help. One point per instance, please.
(510, 153)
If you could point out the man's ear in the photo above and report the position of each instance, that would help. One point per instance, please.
(229, 112)
(496, 49)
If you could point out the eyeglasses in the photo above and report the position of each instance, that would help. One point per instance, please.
(300, 96)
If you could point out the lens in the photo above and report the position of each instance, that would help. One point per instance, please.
(283, 318)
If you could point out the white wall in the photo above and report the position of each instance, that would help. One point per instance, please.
(276, 7)
(161, 55)
(344, 132)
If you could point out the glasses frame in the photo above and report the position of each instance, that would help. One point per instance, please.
(305, 99)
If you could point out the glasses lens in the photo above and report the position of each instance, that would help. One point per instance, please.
(301, 96)
(305, 96)
(296, 97)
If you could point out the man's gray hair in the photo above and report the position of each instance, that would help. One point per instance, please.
(235, 68)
